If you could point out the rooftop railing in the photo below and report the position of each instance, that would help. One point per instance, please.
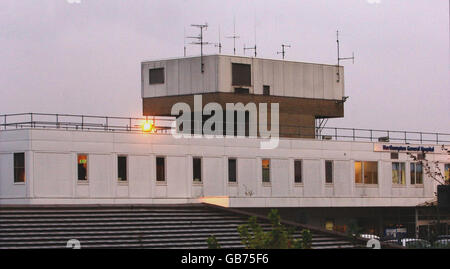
(164, 125)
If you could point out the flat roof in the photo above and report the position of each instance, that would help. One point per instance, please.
(233, 56)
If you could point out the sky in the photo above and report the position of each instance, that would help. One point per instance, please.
(83, 56)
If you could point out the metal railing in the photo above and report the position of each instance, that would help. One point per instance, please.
(82, 122)
(163, 125)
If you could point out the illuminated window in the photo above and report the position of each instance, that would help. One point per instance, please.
(19, 167)
(416, 171)
(328, 171)
(197, 169)
(232, 168)
(298, 171)
(358, 172)
(265, 170)
(156, 76)
(160, 169)
(447, 172)
(398, 173)
(329, 225)
(366, 172)
(122, 168)
(82, 162)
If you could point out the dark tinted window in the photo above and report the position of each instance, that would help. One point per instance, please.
(329, 171)
(394, 155)
(298, 171)
(231, 170)
(266, 90)
(156, 76)
(122, 168)
(197, 169)
(160, 169)
(19, 167)
(241, 74)
(241, 90)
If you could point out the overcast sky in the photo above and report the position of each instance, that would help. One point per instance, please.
(83, 56)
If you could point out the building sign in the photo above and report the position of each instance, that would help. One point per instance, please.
(405, 148)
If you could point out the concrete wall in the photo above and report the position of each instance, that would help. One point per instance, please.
(291, 79)
(51, 171)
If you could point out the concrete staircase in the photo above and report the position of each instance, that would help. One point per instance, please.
(133, 226)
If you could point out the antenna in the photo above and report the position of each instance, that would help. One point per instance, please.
(219, 45)
(283, 51)
(341, 58)
(250, 48)
(234, 36)
(184, 38)
(200, 42)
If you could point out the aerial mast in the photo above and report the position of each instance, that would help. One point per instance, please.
(234, 36)
(339, 58)
(283, 50)
(200, 41)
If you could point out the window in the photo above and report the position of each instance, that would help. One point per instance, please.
(394, 155)
(447, 172)
(398, 173)
(122, 168)
(156, 76)
(328, 171)
(416, 173)
(232, 170)
(241, 90)
(266, 90)
(160, 169)
(366, 172)
(421, 156)
(197, 169)
(298, 171)
(19, 167)
(241, 74)
(265, 170)
(82, 167)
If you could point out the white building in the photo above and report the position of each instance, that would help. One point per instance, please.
(62, 159)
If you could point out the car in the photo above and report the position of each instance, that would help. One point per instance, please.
(415, 243)
(370, 236)
(410, 242)
(442, 243)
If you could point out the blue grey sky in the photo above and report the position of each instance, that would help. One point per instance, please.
(83, 56)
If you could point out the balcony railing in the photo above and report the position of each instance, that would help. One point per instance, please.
(164, 125)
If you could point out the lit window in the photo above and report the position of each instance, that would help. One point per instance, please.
(232, 170)
(416, 171)
(358, 172)
(160, 169)
(82, 167)
(298, 171)
(328, 171)
(398, 173)
(122, 168)
(19, 167)
(366, 172)
(265, 170)
(197, 169)
(156, 76)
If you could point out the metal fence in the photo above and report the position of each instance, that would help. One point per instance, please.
(164, 125)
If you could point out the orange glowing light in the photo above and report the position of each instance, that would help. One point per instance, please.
(148, 126)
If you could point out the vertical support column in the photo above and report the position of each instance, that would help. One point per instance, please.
(29, 174)
(416, 221)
